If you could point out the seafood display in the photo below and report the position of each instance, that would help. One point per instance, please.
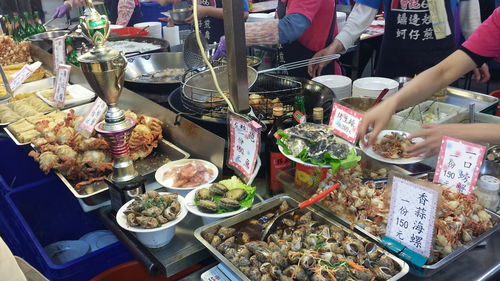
(193, 173)
(31, 106)
(460, 218)
(12, 52)
(225, 196)
(152, 210)
(59, 146)
(393, 146)
(316, 144)
(306, 247)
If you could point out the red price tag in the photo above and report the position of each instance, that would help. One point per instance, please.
(59, 51)
(62, 78)
(345, 122)
(93, 116)
(458, 164)
(244, 145)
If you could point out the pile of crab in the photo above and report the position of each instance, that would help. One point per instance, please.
(459, 219)
(303, 250)
(62, 148)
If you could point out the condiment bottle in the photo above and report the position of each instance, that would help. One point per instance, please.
(487, 192)
(318, 115)
(39, 28)
(278, 163)
(299, 104)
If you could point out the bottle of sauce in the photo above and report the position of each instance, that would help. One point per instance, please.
(28, 27)
(318, 115)
(487, 192)
(39, 28)
(299, 105)
(278, 163)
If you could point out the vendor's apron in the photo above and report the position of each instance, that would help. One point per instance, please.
(211, 28)
(112, 7)
(295, 51)
(409, 45)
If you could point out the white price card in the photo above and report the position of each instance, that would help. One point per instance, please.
(345, 122)
(23, 74)
(92, 117)
(62, 78)
(59, 51)
(244, 145)
(412, 213)
(458, 164)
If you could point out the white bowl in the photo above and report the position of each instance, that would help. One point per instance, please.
(254, 17)
(339, 84)
(183, 190)
(154, 237)
(207, 217)
(372, 86)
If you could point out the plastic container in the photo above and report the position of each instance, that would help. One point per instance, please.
(46, 213)
(487, 192)
(130, 31)
(447, 113)
(21, 170)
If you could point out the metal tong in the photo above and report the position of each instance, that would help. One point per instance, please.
(304, 204)
(301, 63)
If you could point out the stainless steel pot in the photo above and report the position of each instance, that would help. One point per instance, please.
(44, 40)
(143, 66)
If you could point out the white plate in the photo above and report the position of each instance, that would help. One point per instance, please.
(297, 160)
(78, 93)
(334, 81)
(372, 86)
(192, 208)
(369, 151)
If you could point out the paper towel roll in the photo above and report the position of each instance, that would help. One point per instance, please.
(171, 34)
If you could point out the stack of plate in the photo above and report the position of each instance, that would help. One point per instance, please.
(254, 17)
(340, 85)
(153, 27)
(372, 86)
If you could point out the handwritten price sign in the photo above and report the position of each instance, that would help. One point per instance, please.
(93, 116)
(244, 145)
(59, 51)
(458, 164)
(345, 122)
(23, 74)
(62, 78)
(412, 215)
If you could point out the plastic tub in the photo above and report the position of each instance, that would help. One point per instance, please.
(46, 213)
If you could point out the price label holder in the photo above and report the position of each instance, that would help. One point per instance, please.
(19, 77)
(412, 216)
(62, 78)
(345, 122)
(458, 164)
(92, 117)
(59, 51)
(244, 145)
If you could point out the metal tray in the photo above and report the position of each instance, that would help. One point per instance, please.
(424, 271)
(164, 153)
(463, 98)
(261, 208)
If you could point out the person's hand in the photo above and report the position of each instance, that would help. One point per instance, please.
(316, 69)
(221, 48)
(481, 74)
(202, 12)
(376, 118)
(433, 134)
(61, 11)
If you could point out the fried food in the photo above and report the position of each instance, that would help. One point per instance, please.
(12, 52)
(393, 146)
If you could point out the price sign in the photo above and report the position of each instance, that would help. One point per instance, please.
(59, 51)
(345, 122)
(244, 145)
(458, 164)
(412, 214)
(62, 78)
(23, 74)
(93, 116)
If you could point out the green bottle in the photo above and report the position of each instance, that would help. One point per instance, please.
(71, 55)
(299, 104)
(39, 28)
(28, 27)
(8, 25)
(19, 33)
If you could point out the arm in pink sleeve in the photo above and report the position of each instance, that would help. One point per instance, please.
(125, 11)
(74, 4)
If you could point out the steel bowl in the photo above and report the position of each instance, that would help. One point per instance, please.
(44, 40)
(402, 80)
(179, 15)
